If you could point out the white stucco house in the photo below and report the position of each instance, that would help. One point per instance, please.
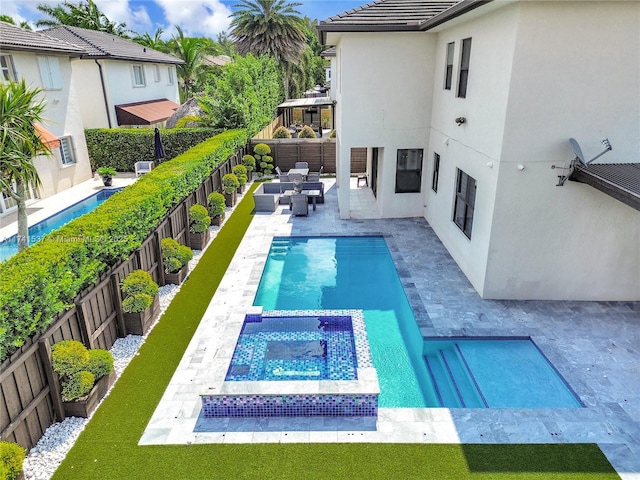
(45, 63)
(120, 82)
(466, 109)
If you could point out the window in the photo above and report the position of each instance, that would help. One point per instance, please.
(50, 73)
(436, 172)
(8, 70)
(138, 76)
(156, 73)
(66, 151)
(464, 68)
(448, 73)
(409, 170)
(170, 76)
(465, 202)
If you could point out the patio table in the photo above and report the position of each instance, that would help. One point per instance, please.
(302, 171)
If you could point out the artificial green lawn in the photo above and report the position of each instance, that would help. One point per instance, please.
(107, 448)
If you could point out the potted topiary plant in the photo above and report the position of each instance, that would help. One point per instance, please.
(175, 259)
(140, 303)
(261, 152)
(85, 376)
(230, 186)
(216, 207)
(249, 161)
(11, 460)
(307, 132)
(107, 174)
(240, 171)
(281, 132)
(199, 221)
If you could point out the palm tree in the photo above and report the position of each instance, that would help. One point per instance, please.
(19, 143)
(83, 15)
(190, 51)
(269, 27)
(8, 19)
(154, 42)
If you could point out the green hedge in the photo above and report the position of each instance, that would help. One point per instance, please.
(44, 279)
(135, 144)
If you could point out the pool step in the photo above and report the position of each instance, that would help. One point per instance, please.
(453, 382)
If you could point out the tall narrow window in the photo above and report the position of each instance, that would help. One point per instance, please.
(448, 73)
(464, 68)
(169, 75)
(50, 73)
(409, 170)
(436, 172)
(138, 76)
(156, 73)
(66, 151)
(465, 202)
(8, 71)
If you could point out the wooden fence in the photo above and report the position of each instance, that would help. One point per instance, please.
(30, 398)
(316, 151)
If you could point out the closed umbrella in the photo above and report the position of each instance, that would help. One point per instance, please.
(158, 147)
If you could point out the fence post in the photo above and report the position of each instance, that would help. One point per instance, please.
(44, 348)
(84, 325)
(159, 259)
(115, 292)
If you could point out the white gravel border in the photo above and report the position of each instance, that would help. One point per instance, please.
(43, 459)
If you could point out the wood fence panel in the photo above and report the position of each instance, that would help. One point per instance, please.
(316, 151)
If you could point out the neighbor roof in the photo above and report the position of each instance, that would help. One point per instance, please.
(104, 45)
(618, 180)
(397, 15)
(16, 38)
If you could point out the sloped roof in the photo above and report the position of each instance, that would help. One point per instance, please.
(104, 45)
(618, 180)
(16, 38)
(397, 15)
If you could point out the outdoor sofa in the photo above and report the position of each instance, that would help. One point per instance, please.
(268, 195)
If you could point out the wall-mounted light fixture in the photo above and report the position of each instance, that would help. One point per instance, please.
(460, 120)
(520, 167)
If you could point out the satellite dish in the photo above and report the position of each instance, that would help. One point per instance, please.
(577, 150)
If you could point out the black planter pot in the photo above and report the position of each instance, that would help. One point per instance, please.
(230, 199)
(107, 181)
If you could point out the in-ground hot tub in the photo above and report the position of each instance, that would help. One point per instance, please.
(298, 363)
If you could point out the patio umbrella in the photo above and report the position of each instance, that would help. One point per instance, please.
(158, 147)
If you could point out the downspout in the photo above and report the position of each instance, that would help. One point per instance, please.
(104, 92)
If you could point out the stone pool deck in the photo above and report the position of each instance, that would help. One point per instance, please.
(594, 345)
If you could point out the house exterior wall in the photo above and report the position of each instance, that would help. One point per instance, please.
(384, 96)
(62, 118)
(86, 78)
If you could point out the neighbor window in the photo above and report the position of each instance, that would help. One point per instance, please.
(448, 73)
(169, 75)
(436, 172)
(8, 71)
(465, 202)
(138, 76)
(464, 68)
(409, 170)
(156, 73)
(50, 73)
(66, 151)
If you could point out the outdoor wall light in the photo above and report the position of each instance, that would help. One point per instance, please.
(520, 167)
(460, 120)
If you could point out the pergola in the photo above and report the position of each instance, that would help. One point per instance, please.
(312, 106)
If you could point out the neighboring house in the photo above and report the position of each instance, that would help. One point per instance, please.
(466, 109)
(45, 62)
(120, 82)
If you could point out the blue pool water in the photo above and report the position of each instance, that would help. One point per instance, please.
(294, 348)
(354, 273)
(9, 246)
(495, 373)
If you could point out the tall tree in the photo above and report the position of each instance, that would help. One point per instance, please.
(19, 143)
(8, 19)
(84, 15)
(154, 42)
(190, 51)
(269, 27)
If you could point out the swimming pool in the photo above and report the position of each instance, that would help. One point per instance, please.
(354, 273)
(9, 246)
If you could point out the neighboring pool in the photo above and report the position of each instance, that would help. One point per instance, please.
(495, 373)
(9, 246)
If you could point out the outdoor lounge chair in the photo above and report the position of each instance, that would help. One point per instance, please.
(295, 177)
(302, 165)
(143, 167)
(284, 178)
(299, 204)
(278, 171)
(313, 177)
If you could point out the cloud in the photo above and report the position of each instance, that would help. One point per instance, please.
(196, 18)
(120, 11)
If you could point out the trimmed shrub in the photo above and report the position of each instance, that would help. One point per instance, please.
(249, 161)
(261, 149)
(69, 357)
(138, 289)
(307, 132)
(333, 133)
(11, 460)
(100, 362)
(199, 219)
(174, 255)
(230, 183)
(44, 279)
(77, 385)
(216, 204)
(281, 132)
(240, 171)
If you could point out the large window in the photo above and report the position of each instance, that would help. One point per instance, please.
(138, 76)
(8, 71)
(464, 68)
(409, 170)
(50, 73)
(465, 202)
(169, 75)
(448, 73)
(66, 151)
(436, 172)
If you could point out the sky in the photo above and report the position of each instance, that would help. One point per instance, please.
(196, 17)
